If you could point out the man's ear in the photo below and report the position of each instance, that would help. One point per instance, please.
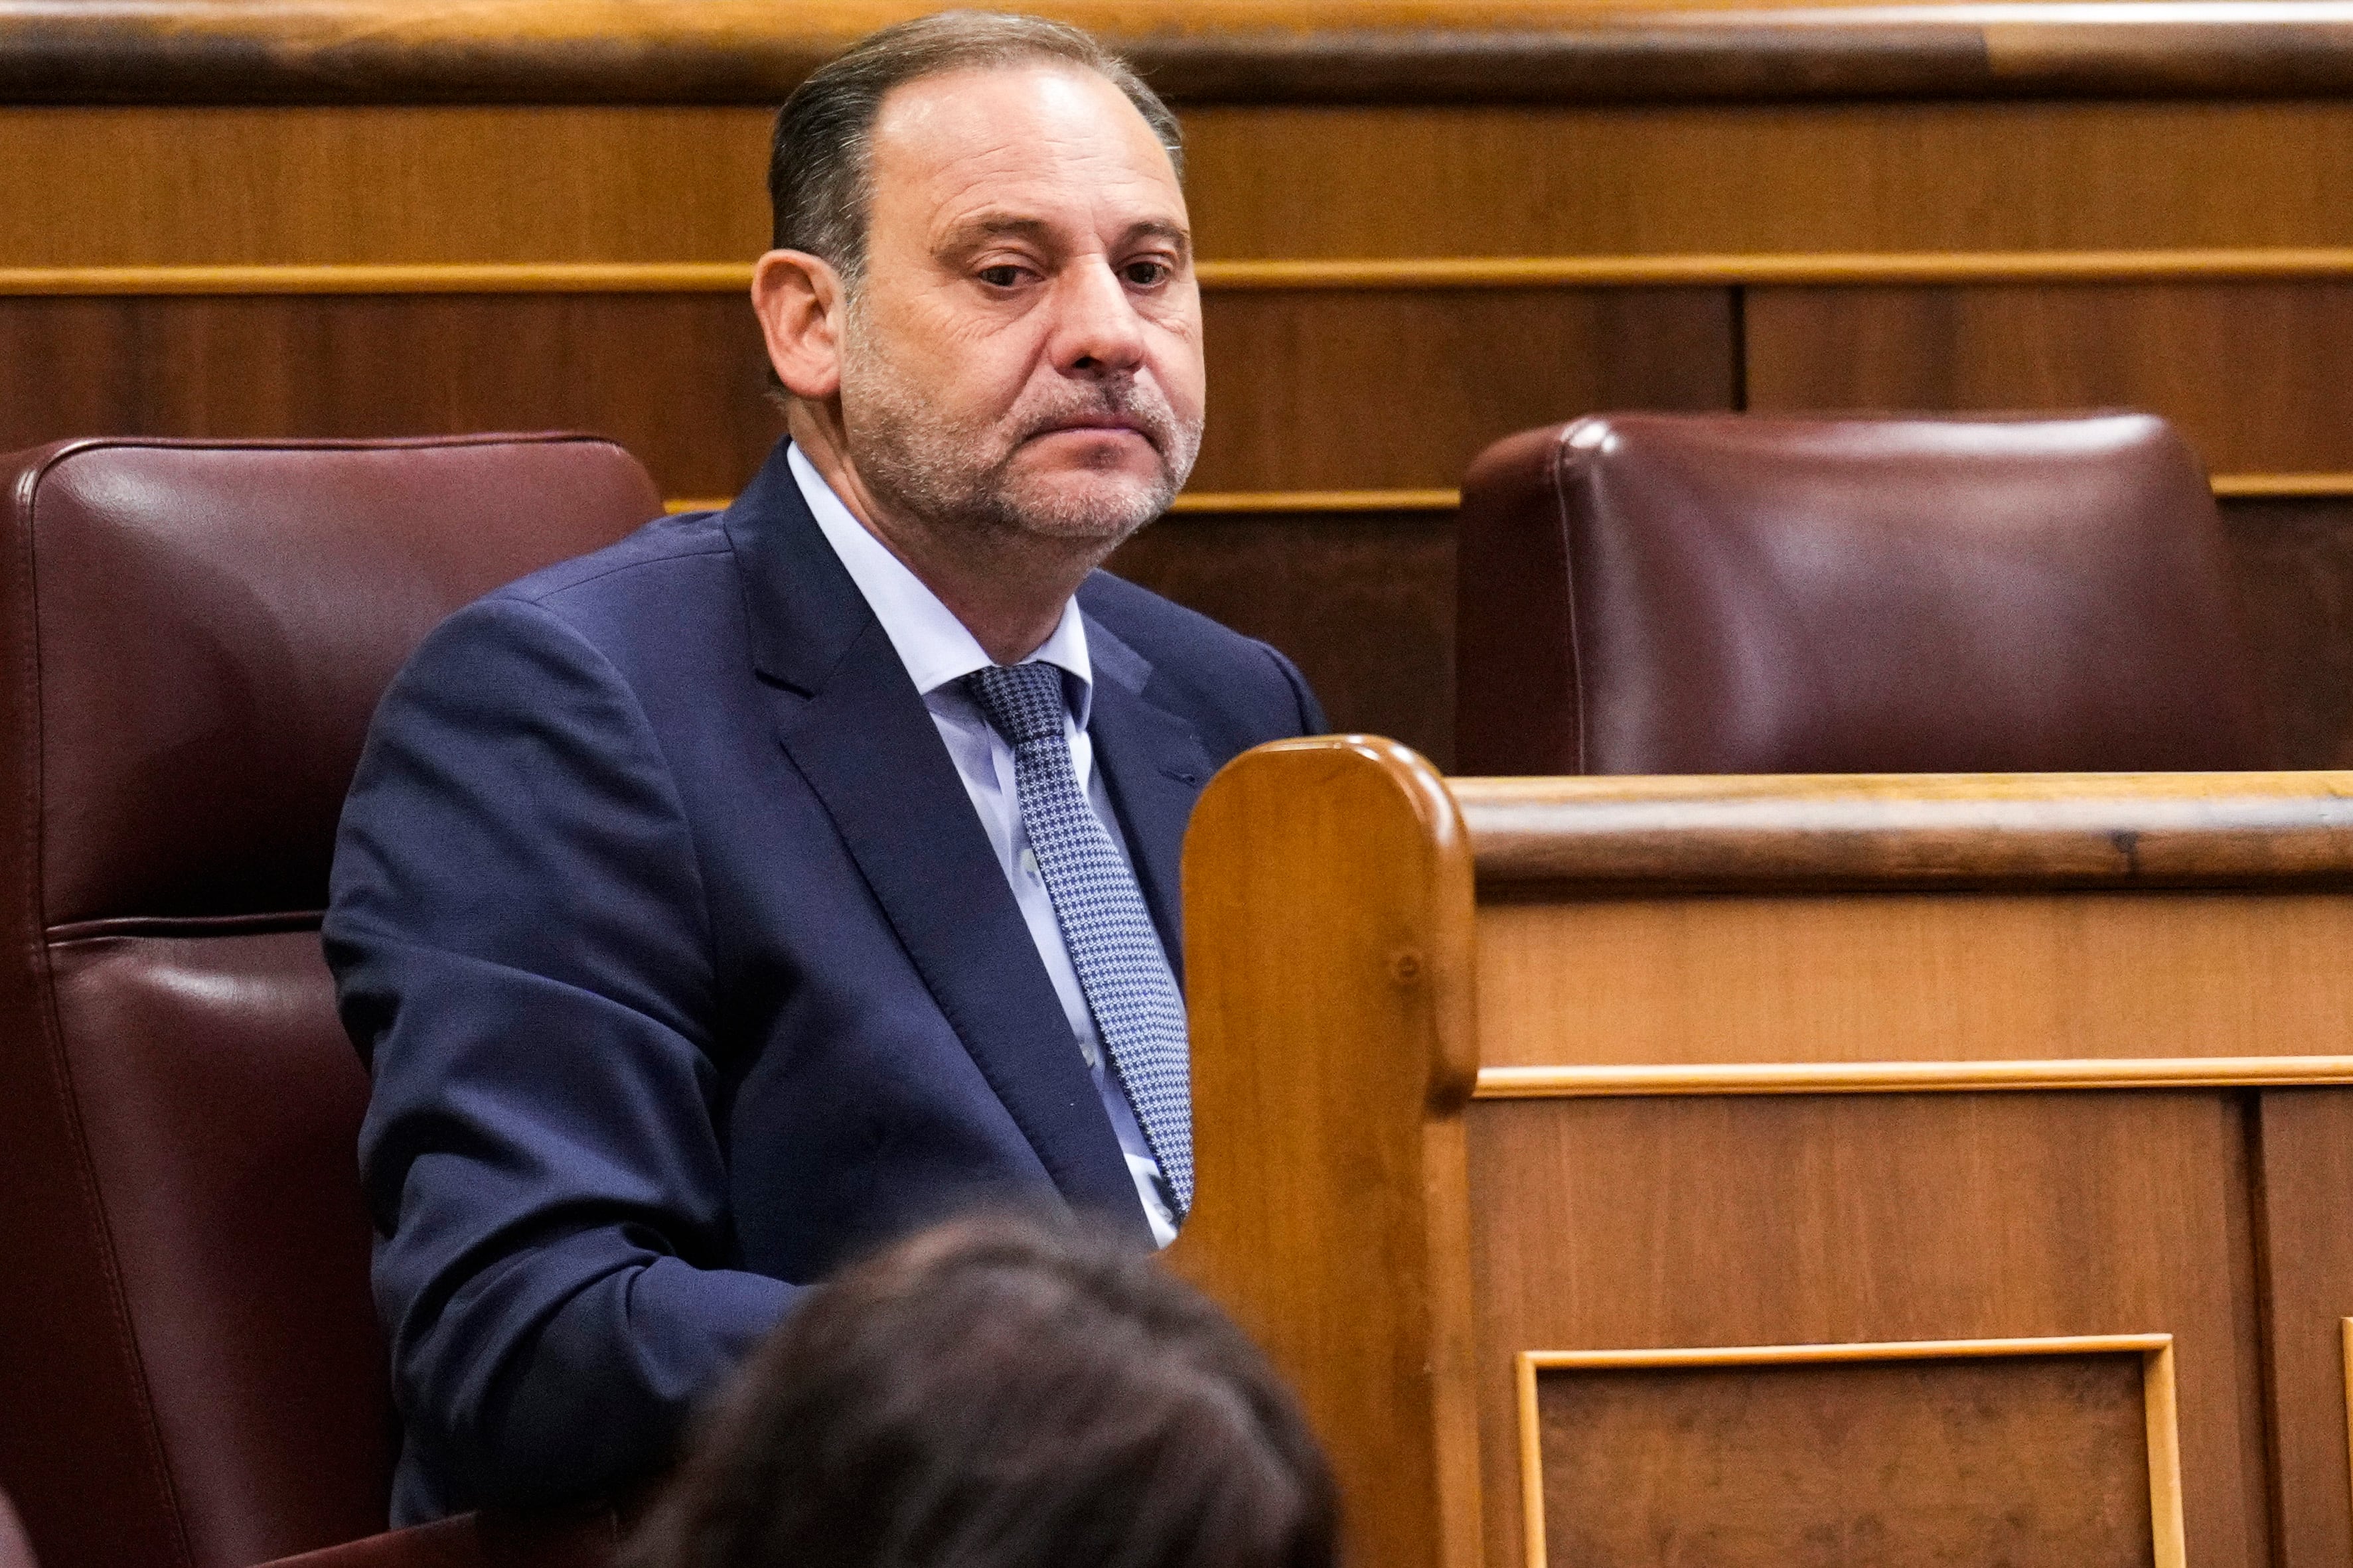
(799, 301)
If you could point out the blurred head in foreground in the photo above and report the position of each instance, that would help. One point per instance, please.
(1002, 1393)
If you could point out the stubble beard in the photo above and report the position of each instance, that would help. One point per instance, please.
(957, 481)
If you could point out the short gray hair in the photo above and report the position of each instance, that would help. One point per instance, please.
(820, 180)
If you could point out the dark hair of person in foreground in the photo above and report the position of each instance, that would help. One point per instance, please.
(1001, 1393)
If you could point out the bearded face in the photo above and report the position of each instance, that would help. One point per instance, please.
(1072, 459)
(1022, 352)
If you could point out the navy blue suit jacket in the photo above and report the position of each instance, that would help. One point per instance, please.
(684, 970)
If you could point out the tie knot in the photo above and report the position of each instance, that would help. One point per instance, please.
(1022, 702)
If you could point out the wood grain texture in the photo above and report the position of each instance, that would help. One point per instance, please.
(1275, 182)
(1381, 389)
(1809, 1221)
(1940, 1077)
(2179, 350)
(83, 187)
(738, 50)
(679, 377)
(1363, 602)
(1287, 276)
(1913, 978)
(2304, 1193)
(1899, 830)
(1327, 892)
(2293, 563)
(115, 187)
(676, 378)
(2025, 1460)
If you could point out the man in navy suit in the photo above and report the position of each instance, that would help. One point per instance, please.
(718, 905)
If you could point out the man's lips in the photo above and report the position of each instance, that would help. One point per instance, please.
(1102, 424)
(1106, 423)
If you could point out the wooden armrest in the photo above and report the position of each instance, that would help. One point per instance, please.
(588, 1537)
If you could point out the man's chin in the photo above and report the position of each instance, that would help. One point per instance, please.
(1091, 504)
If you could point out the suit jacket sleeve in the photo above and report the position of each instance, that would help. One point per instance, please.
(520, 937)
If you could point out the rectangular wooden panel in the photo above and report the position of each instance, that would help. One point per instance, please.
(1914, 977)
(1436, 181)
(109, 187)
(2036, 1461)
(1309, 390)
(1363, 601)
(2294, 563)
(1740, 1221)
(2253, 372)
(2305, 1217)
(677, 378)
(96, 187)
(1400, 389)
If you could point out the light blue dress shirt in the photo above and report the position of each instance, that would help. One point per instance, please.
(939, 652)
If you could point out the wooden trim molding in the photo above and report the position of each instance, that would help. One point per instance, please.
(1785, 268)
(2345, 1329)
(2283, 487)
(1251, 51)
(1280, 275)
(1279, 504)
(389, 278)
(2160, 1407)
(1586, 1083)
(1912, 831)
(1280, 501)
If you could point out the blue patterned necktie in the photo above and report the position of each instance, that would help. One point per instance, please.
(1121, 967)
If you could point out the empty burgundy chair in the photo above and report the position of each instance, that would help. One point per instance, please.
(1737, 594)
(193, 636)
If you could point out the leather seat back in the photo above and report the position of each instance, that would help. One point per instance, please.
(193, 637)
(1734, 594)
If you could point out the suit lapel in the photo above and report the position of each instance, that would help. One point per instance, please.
(858, 732)
(1156, 768)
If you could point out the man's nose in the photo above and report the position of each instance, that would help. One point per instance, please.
(1097, 330)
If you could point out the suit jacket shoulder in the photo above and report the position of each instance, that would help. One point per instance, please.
(1239, 691)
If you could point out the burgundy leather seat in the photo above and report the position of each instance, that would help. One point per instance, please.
(1734, 594)
(193, 636)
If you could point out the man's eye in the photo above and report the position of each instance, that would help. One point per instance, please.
(1147, 274)
(1004, 277)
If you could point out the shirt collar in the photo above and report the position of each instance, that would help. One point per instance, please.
(936, 647)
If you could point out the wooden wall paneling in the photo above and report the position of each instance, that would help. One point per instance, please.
(121, 186)
(1281, 180)
(2250, 371)
(1399, 388)
(2021, 975)
(2294, 559)
(1363, 601)
(95, 186)
(1822, 1219)
(677, 378)
(2305, 1188)
(2014, 1452)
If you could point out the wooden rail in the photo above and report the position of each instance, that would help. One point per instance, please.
(1339, 51)
(2035, 830)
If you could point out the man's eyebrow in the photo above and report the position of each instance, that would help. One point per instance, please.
(1003, 226)
(992, 225)
(1176, 234)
